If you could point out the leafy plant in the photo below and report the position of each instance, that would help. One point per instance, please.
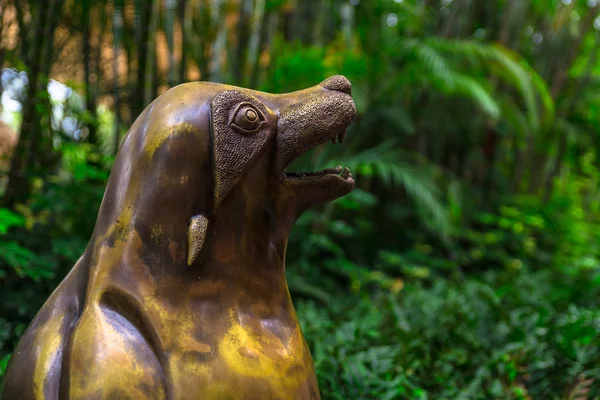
(472, 339)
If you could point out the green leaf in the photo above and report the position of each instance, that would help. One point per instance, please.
(9, 219)
(4, 363)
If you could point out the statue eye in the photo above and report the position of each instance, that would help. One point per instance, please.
(247, 118)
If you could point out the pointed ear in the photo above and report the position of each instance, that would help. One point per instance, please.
(196, 237)
(240, 129)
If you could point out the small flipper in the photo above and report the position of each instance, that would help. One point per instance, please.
(196, 237)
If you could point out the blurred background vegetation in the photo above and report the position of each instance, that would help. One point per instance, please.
(466, 264)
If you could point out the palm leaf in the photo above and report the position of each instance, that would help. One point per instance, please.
(444, 76)
(478, 94)
(507, 64)
(392, 166)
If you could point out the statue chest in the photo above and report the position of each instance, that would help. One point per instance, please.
(244, 364)
(185, 356)
(243, 358)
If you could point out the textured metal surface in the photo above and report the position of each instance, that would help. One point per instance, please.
(133, 320)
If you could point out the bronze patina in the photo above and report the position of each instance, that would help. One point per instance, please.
(181, 292)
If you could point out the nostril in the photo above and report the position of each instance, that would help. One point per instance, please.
(339, 83)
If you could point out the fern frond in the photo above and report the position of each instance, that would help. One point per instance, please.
(580, 390)
(478, 94)
(393, 167)
(507, 64)
(521, 79)
(430, 59)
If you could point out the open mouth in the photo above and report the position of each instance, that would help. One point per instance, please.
(336, 176)
(339, 171)
(312, 122)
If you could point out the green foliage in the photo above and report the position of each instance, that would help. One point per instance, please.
(494, 337)
(512, 314)
(40, 243)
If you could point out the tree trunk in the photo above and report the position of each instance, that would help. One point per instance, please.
(257, 41)
(512, 11)
(182, 72)
(557, 165)
(25, 155)
(144, 16)
(447, 29)
(347, 17)
(46, 160)
(90, 103)
(518, 168)
(23, 31)
(117, 27)
(170, 9)
(490, 151)
(242, 41)
(536, 170)
(560, 76)
(218, 47)
(151, 69)
(2, 34)
(305, 20)
(319, 34)
(563, 142)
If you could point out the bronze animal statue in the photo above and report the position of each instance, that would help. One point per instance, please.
(181, 292)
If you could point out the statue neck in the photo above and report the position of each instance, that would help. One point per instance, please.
(241, 242)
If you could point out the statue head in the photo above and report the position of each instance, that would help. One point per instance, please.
(220, 153)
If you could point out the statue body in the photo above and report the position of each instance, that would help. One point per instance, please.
(181, 292)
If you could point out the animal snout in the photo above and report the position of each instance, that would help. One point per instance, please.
(338, 83)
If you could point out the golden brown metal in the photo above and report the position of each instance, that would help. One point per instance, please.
(198, 180)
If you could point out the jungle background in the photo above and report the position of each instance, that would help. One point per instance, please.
(466, 264)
